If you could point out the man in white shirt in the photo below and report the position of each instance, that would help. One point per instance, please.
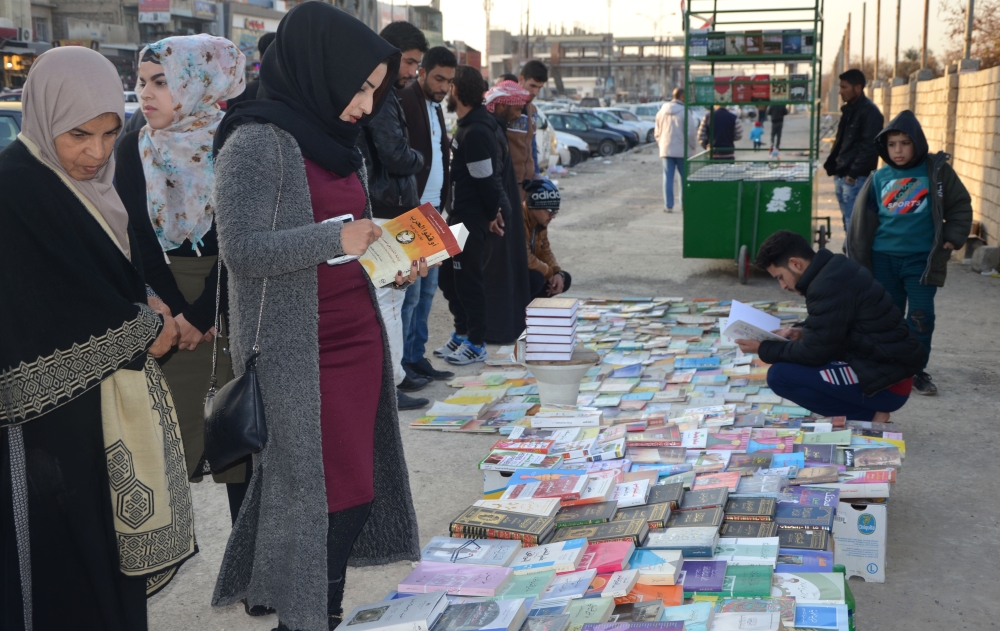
(421, 101)
(669, 134)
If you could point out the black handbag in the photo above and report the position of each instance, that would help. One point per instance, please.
(234, 414)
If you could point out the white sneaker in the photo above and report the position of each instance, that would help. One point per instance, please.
(454, 343)
(467, 354)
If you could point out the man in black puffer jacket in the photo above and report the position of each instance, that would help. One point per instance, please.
(854, 355)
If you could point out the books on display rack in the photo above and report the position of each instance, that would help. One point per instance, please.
(470, 551)
(418, 613)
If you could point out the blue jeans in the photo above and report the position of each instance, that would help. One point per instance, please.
(416, 310)
(830, 390)
(900, 275)
(846, 194)
(669, 166)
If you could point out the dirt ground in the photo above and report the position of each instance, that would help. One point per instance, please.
(613, 236)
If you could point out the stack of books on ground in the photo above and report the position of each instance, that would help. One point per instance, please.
(551, 333)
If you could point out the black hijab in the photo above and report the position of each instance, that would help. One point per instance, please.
(320, 58)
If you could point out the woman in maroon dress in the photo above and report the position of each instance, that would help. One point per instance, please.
(331, 484)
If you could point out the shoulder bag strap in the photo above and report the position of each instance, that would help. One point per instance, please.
(218, 287)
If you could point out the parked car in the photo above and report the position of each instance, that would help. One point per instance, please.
(612, 115)
(648, 127)
(545, 141)
(590, 101)
(644, 111)
(132, 104)
(599, 141)
(10, 122)
(631, 137)
(10, 95)
(572, 149)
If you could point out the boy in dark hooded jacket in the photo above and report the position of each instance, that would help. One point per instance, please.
(907, 220)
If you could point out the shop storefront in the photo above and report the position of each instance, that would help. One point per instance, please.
(16, 56)
(246, 24)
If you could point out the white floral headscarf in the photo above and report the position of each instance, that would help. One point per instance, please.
(200, 71)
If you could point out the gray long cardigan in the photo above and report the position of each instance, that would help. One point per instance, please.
(276, 554)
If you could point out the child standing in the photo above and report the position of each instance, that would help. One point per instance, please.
(909, 217)
(757, 135)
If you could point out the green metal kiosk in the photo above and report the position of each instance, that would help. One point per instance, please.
(737, 57)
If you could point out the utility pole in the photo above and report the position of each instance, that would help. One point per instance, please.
(923, 46)
(847, 44)
(864, 20)
(878, 33)
(970, 13)
(487, 7)
(895, 59)
(611, 41)
(528, 31)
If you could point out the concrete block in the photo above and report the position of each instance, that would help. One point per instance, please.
(985, 258)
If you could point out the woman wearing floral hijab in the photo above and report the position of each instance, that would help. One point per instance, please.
(166, 176)
(95, 508)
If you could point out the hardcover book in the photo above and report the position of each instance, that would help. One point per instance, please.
(563, 556)
(751, 509)
(585, 514)
(697, 543)
(706, 517)
(418, 613)
(748, 464)
(655, 515)
(703, 576)
(810, 588)
(657, 567)
(738, 529)
(461, 580)
(805, 517)
(634, 531)
(485, 523)
(496, 552)
(761, 486)
(599, 488)
(666, 493)
(697, 499)
(779, 87)
(607, 557)
(804, 539)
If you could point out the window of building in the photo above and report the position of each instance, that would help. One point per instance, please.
(41, 26)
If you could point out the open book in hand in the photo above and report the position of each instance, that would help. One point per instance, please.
(420, 232)
(747, 323)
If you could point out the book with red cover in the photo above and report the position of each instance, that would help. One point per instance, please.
(741, 89)
(723, 91)
(607, 557)
(531, 445)
(666, 436)
(760, 90)
(568, 488)
(729, 479)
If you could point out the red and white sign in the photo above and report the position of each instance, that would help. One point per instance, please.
(154, 11)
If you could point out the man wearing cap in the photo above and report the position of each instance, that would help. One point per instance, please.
(505, 273)
(540, 208)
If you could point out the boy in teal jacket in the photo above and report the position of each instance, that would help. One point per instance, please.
(910, 216)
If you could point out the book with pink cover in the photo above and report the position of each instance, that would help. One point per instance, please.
(607, 557)
(459, 580)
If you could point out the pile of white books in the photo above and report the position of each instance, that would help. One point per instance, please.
(551, 329)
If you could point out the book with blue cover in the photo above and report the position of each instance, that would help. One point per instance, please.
(793, 560)
(696, 616)
(822, 617)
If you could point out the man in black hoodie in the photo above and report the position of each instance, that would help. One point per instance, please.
(908, 219)
(853, 156)
(853, 355)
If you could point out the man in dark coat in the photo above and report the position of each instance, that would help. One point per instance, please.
(854, 354)
(854, 155)
(421, 101)
(720, 129)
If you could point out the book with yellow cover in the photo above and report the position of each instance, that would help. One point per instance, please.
(420, 232)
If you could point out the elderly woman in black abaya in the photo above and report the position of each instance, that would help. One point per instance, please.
(95, 508)
(331, 486)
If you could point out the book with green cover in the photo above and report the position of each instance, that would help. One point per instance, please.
(751, 509)
(744, 581)
(810, 588)
(666, 493)
(589, 610)
(655, 514)
(584, 514)
(526, 585)
(840, 437)
(634, 530)
(704, 498)
(747, 551)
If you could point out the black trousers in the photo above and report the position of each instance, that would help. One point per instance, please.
(538, 283)
(776, 134)
(461, 282)
(342, 532)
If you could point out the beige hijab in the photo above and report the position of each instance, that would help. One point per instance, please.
(67, 87)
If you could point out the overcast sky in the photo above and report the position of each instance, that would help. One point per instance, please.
(465, 19)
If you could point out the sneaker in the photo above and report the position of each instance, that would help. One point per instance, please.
(668, 210)
(923, 385)
(411, 384)
(423, 368)
(453, 345)
(406, 402)
(468, 353)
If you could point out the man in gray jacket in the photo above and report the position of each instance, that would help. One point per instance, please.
(393, 166)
